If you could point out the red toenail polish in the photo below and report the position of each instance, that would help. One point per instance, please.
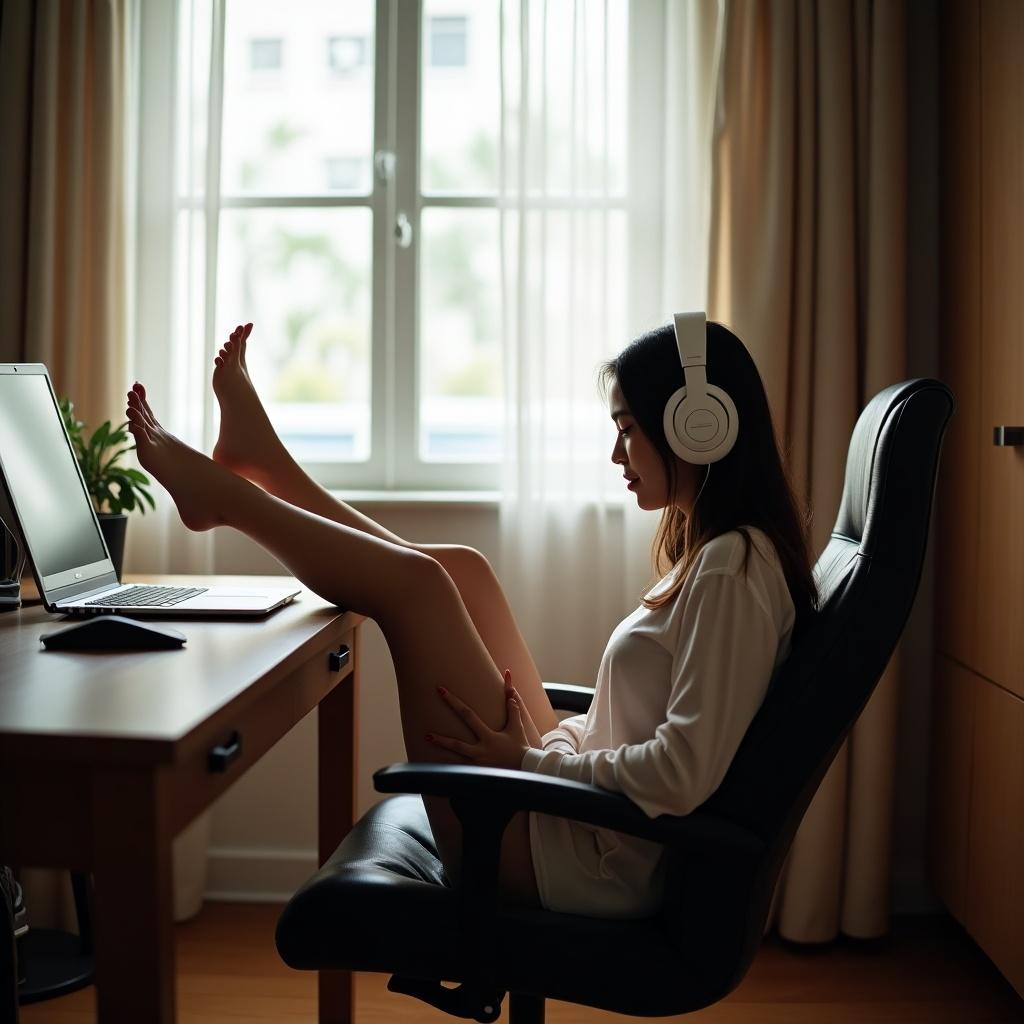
(441, 690)
(429, 737)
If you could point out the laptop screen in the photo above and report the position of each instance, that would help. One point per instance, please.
(49, 497)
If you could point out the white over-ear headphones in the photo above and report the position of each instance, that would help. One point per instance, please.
(700, 419)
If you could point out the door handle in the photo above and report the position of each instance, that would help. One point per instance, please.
(1008, 436)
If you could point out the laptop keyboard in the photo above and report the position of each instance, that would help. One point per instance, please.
(147, 597)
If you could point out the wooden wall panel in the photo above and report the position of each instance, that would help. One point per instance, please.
(995, 873)
(957, 492)
(1000, 604)
(952, 742)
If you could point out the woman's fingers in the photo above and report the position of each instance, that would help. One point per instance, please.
(464, 711)
(458, 746)
(513, 694)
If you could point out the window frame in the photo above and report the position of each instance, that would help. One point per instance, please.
(395, 464)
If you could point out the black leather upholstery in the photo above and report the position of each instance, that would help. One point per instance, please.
(381, 903)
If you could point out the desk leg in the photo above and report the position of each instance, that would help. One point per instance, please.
(132, 871)
(338, 754)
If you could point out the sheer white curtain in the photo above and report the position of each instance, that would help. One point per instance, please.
(177, 147)
(605, 158)
(178, 183)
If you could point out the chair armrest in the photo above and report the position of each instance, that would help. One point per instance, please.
(567, 697)
(511, 790)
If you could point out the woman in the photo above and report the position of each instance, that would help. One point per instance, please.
(681, 677)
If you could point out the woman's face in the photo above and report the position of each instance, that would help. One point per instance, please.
(641, 464)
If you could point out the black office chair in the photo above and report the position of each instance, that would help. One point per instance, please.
(382, 903)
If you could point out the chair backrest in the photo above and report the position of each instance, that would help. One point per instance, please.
(867, 579)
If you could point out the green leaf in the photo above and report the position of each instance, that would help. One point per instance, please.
(99, 439)
(113, 458)
(103, 496)
(114, 488)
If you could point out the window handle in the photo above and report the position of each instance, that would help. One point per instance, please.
(403, 230)
(384, 164)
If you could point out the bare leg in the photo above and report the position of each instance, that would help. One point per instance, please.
(249, 445)
(432, 639)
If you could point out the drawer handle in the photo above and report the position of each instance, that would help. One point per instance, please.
(338, 659)
(221, 756)
(1008, 436)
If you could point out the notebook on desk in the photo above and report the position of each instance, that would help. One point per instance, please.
(69, 557)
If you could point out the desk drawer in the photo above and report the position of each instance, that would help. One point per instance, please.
(230, 743)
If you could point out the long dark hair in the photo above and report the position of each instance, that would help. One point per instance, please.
(750, 486)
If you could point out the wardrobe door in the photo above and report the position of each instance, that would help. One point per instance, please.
(995, 858)
(1000, 637)
(957, 488)
(952, 738)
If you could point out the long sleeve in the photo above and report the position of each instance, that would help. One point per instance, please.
(566, 736)
(725, 651)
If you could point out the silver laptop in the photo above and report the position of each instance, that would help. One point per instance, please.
(51, 505)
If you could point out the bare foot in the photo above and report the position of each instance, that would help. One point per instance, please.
(190, 477)
(248, 443)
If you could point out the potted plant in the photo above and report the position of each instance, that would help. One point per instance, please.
(115, 489)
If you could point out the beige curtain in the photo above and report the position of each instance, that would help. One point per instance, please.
(63, 302)
(807, 258)
(63, 230)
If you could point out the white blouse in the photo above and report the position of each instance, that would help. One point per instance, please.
(676, 690)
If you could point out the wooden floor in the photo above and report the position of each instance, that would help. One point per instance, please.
(928, 971)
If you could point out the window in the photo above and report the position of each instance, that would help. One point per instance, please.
(347, 53)
(265, 54)
(357, 220)
(344, 173)
(447, 42)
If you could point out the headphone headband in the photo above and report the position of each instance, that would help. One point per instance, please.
(691, 338)
(700, 419)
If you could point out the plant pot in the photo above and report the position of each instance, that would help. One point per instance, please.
(113, 527)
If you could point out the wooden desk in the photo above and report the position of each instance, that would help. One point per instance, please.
(104, 759)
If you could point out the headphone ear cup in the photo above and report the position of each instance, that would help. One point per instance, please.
(702, 429)
(675, 440)
(732, 425)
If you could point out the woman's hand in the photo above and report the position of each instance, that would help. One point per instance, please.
(532, 732)
(492, 749)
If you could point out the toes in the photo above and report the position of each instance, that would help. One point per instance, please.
(137, 403)
(149, 412)
(134, 403)
(218, 360)
(136, 423)
(140, 433)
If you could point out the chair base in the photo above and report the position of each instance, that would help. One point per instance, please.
(470, 1002)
